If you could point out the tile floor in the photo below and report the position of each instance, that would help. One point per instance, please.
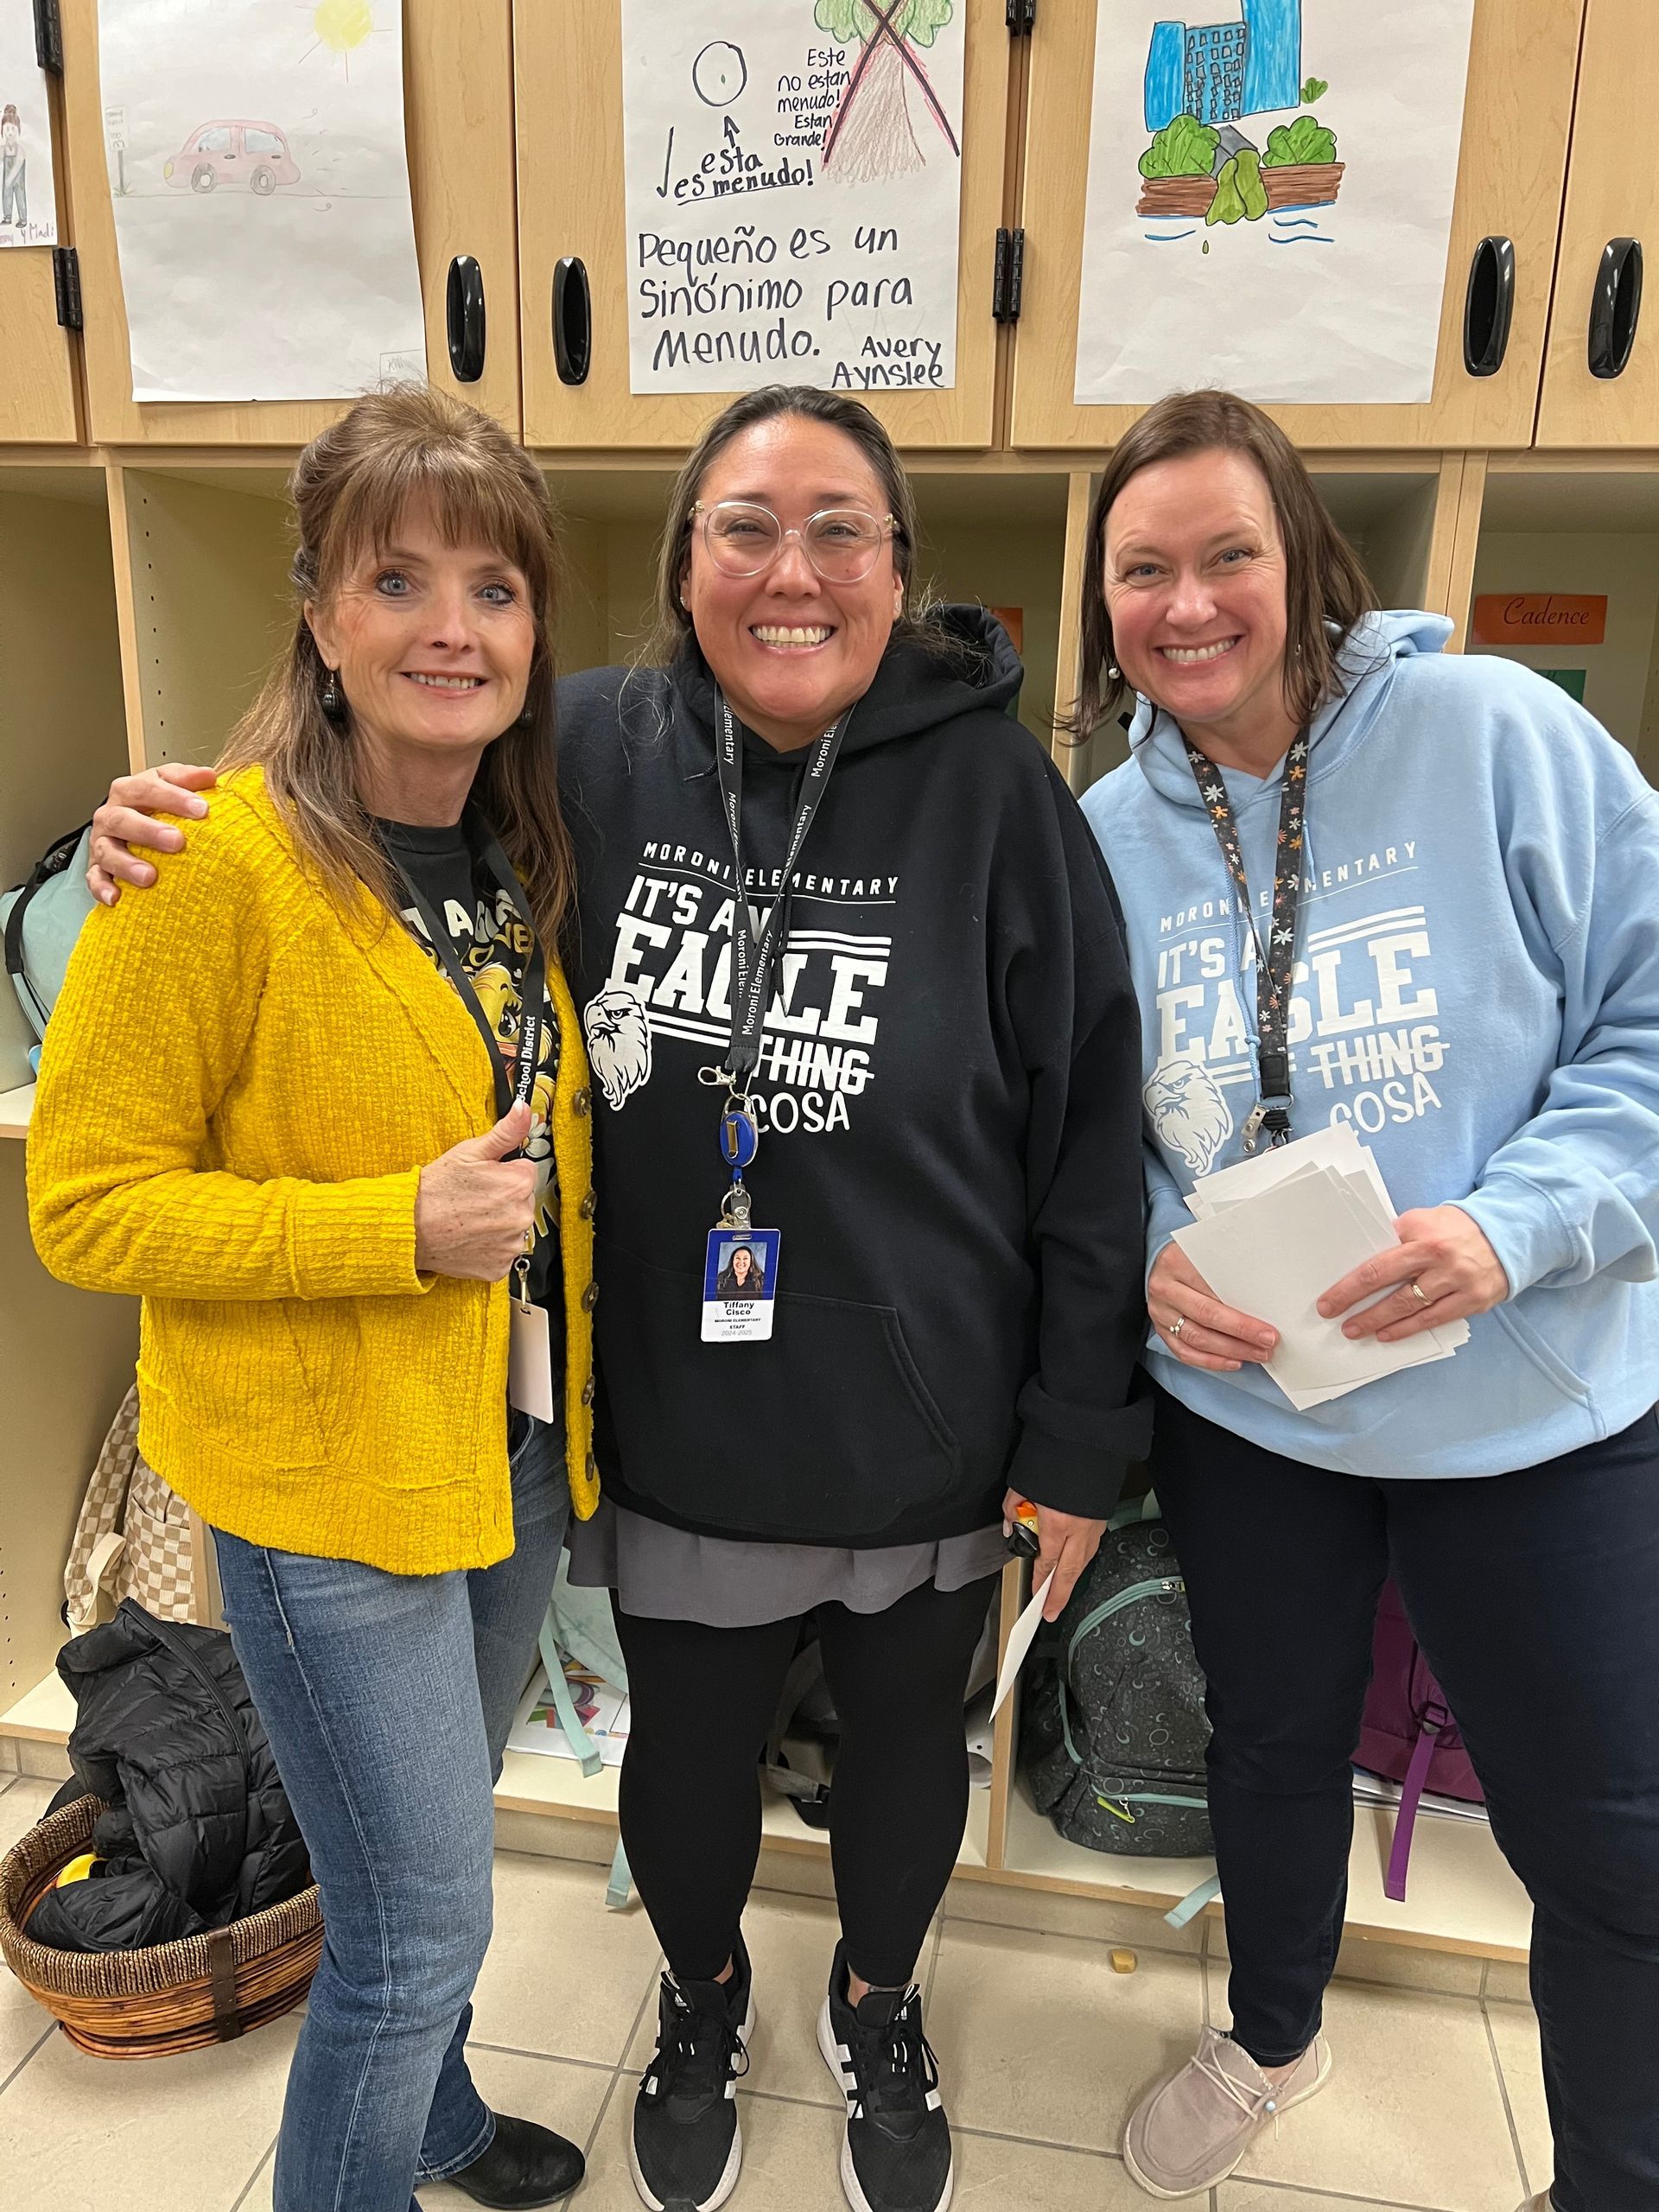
(1436, 2105)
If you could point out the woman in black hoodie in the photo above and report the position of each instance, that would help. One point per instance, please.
(837, 904)
(946, 1099)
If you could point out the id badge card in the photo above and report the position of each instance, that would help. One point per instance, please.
(740, 1283)
(529, 1361)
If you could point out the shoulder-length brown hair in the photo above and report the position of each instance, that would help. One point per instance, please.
(402, 449)
(1326, 585)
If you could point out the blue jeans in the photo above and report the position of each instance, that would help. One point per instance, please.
(1536, 1596)
(387, 1699)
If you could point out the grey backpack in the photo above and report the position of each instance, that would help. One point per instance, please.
(1114, 1729)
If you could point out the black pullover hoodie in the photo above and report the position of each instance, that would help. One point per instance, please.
(949, 1095)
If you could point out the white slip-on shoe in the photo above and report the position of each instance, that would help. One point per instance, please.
(1193, 2130)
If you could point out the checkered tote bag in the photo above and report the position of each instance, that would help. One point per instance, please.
(136, 1539)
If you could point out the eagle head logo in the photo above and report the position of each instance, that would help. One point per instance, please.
(1188, 1113)
(618, 1042)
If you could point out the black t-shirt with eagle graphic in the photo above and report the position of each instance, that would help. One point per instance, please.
(484, 931)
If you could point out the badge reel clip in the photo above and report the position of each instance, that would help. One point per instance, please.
(738, 1309)
(739, 1140)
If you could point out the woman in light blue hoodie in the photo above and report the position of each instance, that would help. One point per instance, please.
(1370, 883)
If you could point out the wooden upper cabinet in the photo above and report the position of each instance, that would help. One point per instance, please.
(1517, 116)
(458, 123)
(572, 207)
(1612, 196)
(37, 382)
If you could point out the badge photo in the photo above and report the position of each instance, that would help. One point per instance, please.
(740, 1280)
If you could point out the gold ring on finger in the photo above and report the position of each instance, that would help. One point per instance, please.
(1420, 1293)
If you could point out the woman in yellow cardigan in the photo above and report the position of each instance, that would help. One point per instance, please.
(353, 967)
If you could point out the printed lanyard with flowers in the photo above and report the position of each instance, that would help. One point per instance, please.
(1274, 960)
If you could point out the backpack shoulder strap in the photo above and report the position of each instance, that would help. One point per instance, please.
(804, 1670)
(563, 1704)
(52, 862)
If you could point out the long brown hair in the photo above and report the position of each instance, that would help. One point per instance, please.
(1325, 581)
(672, 626)
(409, 446)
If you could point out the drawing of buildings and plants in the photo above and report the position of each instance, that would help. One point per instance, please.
(1201, 83)
(873, 132)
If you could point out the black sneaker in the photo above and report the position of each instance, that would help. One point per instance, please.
(687, 2148)
(897, 2155)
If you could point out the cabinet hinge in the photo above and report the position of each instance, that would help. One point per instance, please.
(49, 36)
(1023, 13)
(1008, 283)
(66, 283)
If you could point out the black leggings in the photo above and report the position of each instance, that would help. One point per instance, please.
(702, 1702)
(1536, 1596)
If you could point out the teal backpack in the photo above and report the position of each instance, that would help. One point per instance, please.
(42, 919)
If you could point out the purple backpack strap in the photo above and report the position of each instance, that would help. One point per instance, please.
(1411, 1798)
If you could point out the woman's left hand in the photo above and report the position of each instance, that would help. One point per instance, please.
(1065, 1544)
(1443, 1255)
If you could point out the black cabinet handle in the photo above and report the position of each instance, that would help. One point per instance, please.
(1489, 306)
(573, 321)
(1614, 306)
(464, 314)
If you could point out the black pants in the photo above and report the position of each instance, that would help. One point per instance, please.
(1536, 1598)
(701, 1702)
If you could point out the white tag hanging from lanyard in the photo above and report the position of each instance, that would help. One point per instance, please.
(529, 1356)
(740, 1261)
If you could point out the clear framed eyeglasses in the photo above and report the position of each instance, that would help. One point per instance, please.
(841, 543)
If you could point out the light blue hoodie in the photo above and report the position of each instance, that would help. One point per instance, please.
(1477, 990)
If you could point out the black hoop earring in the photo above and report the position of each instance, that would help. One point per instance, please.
(332, 700)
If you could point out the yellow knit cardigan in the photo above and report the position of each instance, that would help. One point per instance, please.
(239, 1087)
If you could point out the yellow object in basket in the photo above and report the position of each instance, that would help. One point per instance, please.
(77, 1870)
(1124, 1961)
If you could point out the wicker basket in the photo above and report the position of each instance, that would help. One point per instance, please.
(167, 1996)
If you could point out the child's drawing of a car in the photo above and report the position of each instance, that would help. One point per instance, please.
(233, 152)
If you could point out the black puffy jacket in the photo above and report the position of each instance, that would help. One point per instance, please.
(199, 1831)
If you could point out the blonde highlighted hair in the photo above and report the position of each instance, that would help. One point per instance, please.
(402, 449)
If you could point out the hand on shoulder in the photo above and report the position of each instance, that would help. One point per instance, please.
(127, 821)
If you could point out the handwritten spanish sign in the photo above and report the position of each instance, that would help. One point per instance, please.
(1540, 617)
(793, 182)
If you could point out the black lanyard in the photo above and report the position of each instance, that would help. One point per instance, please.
(753, 957)
(1275, 960)
(516, 1090)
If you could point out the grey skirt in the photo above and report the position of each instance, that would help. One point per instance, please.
(664, 1573)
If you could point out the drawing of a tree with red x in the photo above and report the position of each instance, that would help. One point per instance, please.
(871, 134)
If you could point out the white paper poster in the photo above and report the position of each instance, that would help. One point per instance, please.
(261, 193)
(28, 204)
(794, 176)
(1270, 193)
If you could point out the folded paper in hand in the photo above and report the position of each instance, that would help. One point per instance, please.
(1271, 1236)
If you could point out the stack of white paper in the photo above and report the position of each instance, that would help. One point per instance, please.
(1274, 1234)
